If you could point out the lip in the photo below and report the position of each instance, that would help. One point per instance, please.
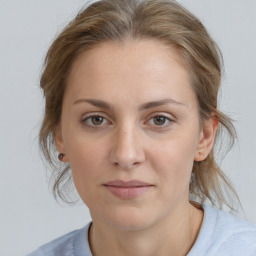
(128, 189)
(131, 183)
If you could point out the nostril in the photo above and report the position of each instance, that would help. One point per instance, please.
(126, 166)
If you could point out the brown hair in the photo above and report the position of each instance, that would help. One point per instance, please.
(116, 20)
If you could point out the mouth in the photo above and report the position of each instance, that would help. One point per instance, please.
(128, 189)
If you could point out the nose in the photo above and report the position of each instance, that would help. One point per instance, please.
(127, 151)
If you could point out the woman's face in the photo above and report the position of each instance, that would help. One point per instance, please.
(130, 115)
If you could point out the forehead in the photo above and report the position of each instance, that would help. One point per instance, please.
(144, 67)
(103, 57)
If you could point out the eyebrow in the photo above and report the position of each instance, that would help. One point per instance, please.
(144, 106)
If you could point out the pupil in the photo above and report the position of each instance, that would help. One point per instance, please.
(159, 120)
(97, 120)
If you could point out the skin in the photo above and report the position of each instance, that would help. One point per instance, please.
(130, 144)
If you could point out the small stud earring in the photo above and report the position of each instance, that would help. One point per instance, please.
(60, 156)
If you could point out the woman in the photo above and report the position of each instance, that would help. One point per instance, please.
(131, 108)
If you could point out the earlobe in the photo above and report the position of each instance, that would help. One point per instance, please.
(206, 139)
(60, 146)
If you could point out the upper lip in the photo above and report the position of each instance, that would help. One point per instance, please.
(131, 183)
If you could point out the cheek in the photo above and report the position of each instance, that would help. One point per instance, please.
(174, 160)
(82, 150)
(86, 163)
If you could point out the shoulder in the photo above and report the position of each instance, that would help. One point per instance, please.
(70, 244)
(229, 225)
(234, 234)
(223, 234)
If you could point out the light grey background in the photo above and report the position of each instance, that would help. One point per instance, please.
(29, 215)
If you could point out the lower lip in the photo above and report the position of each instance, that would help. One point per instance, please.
(128, 192)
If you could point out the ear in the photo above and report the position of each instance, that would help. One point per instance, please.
(206, 138)
(60, 146)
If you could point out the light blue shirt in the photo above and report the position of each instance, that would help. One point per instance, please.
(221, 234)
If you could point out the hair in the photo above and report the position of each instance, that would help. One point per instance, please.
(164, 21)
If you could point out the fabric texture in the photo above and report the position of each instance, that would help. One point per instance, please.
(221, 234)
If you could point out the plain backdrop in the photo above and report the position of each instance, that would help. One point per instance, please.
(29, 216)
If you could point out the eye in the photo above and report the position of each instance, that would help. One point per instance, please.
(93, 120)
(160, 120)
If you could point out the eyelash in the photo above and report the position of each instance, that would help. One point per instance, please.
(84, 121)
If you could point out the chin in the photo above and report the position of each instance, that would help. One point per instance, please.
(129, 219)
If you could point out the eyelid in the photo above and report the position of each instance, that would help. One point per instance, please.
(92, 114)
(167, 115)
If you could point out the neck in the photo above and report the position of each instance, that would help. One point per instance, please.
(173, 235)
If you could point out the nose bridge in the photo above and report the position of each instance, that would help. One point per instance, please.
(127, 149)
